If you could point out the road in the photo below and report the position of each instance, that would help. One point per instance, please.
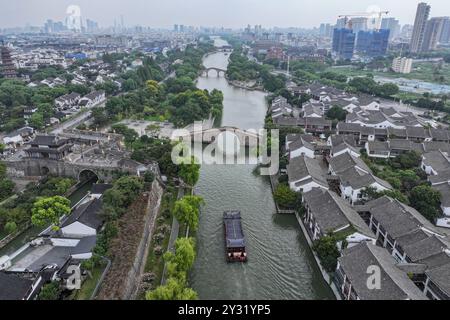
(79, 118)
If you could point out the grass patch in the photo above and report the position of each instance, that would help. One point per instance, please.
(425, 71)
(89, 284)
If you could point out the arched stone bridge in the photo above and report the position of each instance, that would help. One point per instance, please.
(247, 138)
(35, 167)
(218, 71)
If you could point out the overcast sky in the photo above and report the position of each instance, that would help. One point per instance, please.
(227, 13)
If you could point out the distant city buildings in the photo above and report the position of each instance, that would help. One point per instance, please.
(343, 43)
(373, 43)
(393, 25)
(433, 33)
(359, 24)
(420, 23)
(402, 65)
(326, 30)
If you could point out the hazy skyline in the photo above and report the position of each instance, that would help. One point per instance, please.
(227, 13)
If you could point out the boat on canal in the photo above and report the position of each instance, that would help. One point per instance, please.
(234, 237)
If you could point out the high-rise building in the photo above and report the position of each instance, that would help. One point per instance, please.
(445, 35)
(8, 68)
(422, 14)
(359, 24)
(373, 43)
(402, 65)
(433, 33)
(341, 23)
(343, 43)
(326, 30)
(391, 24)
(91, 26)
(175, 28)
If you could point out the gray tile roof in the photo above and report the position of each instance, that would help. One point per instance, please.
(302, 167)
(331, 212)
(436, 261)
(88, 213)
(436, 160)
(395, 284)
(436, 146)
(301, 142)
(13, 287)
(345, 161)
(444, 191)
(357, 179)
(411, 238)
(440, 277)
(417, 132)
(424, 248)
(397, 218)
(442, 177)
(379, 147)
(440, 134)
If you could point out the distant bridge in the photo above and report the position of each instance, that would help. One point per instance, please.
(218, 71)
(245, 138)
(225, 49)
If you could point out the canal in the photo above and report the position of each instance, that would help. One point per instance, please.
(280, 264)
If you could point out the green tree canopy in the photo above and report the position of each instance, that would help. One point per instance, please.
(187, 210)
(48, 210)
(327, 251)
(426, 200)
(50, 291)
(174, 289)
(190, 172)
(285, 197)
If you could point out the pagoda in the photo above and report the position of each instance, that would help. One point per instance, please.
(8, 69)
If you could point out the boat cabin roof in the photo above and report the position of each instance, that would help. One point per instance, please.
(233, 227)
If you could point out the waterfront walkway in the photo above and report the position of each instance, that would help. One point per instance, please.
(173, 236)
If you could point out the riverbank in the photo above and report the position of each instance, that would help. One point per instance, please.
(325, 275)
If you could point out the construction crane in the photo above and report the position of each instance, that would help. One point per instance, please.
(348, 22)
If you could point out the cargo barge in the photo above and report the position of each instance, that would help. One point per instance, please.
(234, 237)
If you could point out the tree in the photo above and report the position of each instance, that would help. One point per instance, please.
(371, 193)
(6, 188)
(336, 113)
(174, 289)
(426, 200)
(327, 251)
(184, 256)
(99, 117)
(407, 160)
(10, 227)
(37, 120)
(189, 172)
(49, 210)
(187, 210)
(130, 187)
(153, 87)
(149, 176)
(50, 291)
(284, 196)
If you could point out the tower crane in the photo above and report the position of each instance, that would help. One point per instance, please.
(348, 21)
